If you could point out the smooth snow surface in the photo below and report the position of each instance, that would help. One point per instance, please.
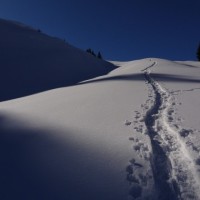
(33, 62)
(131, 134)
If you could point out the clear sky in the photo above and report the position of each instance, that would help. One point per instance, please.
(120, 29)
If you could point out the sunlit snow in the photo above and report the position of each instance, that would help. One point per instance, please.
(131, 134)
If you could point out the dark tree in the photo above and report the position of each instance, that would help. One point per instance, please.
(91, 52)
(99, 55)
(198, 53)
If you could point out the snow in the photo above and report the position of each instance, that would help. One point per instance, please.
(131, 134)
(48, 62)
(88, 120)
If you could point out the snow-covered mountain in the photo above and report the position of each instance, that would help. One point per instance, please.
(33, 62)
(131, 134)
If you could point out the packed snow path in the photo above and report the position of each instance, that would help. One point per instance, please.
(174, 171)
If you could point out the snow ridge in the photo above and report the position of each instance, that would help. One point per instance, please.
(174, 171)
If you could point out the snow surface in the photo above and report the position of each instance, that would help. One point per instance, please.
(131, 134)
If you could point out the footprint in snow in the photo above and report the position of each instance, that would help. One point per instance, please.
(170, 119)
(198, 161)
(131, 138)
(135, 191)
(170, 112)
(185, 132)
(127, 123)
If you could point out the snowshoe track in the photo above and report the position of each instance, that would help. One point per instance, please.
(173, 169)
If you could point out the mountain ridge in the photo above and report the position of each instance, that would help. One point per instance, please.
(33, 62)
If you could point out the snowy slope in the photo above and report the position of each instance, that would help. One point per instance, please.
(76, 134)
(131, 134)
(32, 62)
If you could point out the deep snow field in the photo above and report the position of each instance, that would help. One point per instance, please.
(133, 133)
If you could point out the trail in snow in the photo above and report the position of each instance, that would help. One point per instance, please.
(173, 169)
(160, 162)
(161, 165)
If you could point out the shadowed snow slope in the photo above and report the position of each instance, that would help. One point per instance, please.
(70, 143)
(32, 62)
(115, 137)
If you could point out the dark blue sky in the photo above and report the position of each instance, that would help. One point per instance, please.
(120, 29)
